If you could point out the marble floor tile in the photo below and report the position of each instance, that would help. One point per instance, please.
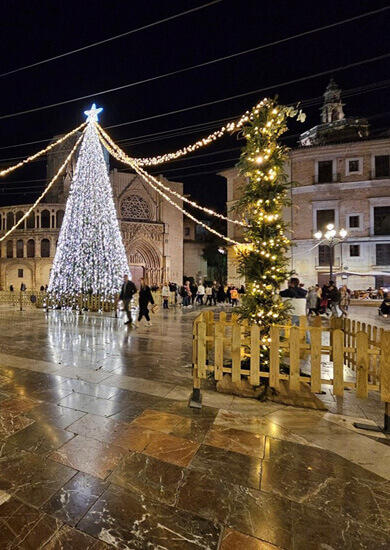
(181, 408)
(75, 498)
(83, 373)
(148, 476)
(24, 527)
(54, 415)
(51, 395)
(157, 420)
(97, 427)
(133, 438)
(88, 455)
(234, 540)
(239, 441)
(159, 389)
(89, 404)
(229, 466)
(68, 538)
(129, 522)
(88, 388)
(170, 448)
(18, 405)
(40, 438)
(252, 512)
(34, 478)
(10, 424)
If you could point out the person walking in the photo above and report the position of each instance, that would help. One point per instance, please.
(165, 291)
(209, 295)
(144, 299)
(344, 300)
(221, 296)
(234, 296)
(200, 294)
(334, 298)
(126, 295)
(312, 301)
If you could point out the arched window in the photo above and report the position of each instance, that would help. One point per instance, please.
(19, 215)
(31, 248)
(10, 220)
(45, 248)
(10, 249)
(45, 219)
(19, 248)
(59, 218)
(135, 208)
(31, 221)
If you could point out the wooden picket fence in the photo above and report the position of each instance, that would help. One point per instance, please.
(221, 344)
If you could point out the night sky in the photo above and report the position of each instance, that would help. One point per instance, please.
(33, 31)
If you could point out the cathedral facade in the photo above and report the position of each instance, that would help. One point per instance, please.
(152, 230)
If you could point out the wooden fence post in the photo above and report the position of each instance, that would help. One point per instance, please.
(218, 352)
(315, 339)
(201, 349)
(294, 383)
(338, 362)
(254, 375)
(361, 364)
(385, 377)
(274, 358)
(236, 352)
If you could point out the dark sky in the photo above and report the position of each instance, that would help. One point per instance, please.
(32, 31)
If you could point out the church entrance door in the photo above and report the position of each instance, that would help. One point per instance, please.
(137, 273)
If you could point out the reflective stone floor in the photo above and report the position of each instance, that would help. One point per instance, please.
(99, 450)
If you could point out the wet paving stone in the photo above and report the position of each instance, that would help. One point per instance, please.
(22, 526)
(34, 479)
(227, 465)
(96, 427)
(18, 405)
(75, 498)
(236, 440)
(129, 521)
(68, 538)
(148, 476)
(170, 448)
(90, 404)
(54, 415)
(10, 424)
(234, 540)
(88, 388)
(40, 438)
(88, 455)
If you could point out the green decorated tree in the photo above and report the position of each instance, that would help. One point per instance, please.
(263, 258)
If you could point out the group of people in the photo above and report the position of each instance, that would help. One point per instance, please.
(318, 301)
(209, 294)
(145, 298)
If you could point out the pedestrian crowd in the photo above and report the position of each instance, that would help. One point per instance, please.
(209, 294)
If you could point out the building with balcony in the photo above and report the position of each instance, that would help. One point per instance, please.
(340, 177)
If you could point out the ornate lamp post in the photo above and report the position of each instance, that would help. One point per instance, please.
(330, 238)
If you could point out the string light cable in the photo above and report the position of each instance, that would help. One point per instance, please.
(151, 181)
(6, 171)
(120, 155)
(50, 184)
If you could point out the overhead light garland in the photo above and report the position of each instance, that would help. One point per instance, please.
(121, 155)
(41, 152)
(151, 180)
(50, 184)
(263, 257)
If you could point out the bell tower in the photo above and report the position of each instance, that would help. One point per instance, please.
(332, 108)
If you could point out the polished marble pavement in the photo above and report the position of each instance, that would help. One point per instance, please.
(99, 450)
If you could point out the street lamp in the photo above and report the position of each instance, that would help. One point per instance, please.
(330, 238)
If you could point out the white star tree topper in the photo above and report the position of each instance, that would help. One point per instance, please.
(93, 113)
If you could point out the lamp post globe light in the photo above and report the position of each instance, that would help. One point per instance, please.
(330, 239)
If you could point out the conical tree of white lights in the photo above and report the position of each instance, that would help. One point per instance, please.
(90, 255)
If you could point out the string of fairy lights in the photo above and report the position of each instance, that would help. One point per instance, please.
(121, 156)
(48, 187)
(137, 165)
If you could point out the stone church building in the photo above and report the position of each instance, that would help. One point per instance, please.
(152, 230)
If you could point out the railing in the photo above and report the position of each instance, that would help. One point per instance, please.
(226, 345)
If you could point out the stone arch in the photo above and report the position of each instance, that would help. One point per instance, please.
(141, 253)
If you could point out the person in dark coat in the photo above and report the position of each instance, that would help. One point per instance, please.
(221, 296)
(144, 299)
(127, 292)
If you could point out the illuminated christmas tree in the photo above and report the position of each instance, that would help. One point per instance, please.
(263, 259)
(90, 255)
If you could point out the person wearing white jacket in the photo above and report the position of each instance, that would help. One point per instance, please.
(200, 294)
(165, 295)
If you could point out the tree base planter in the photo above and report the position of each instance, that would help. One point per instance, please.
(296, 398)
(241, 388)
